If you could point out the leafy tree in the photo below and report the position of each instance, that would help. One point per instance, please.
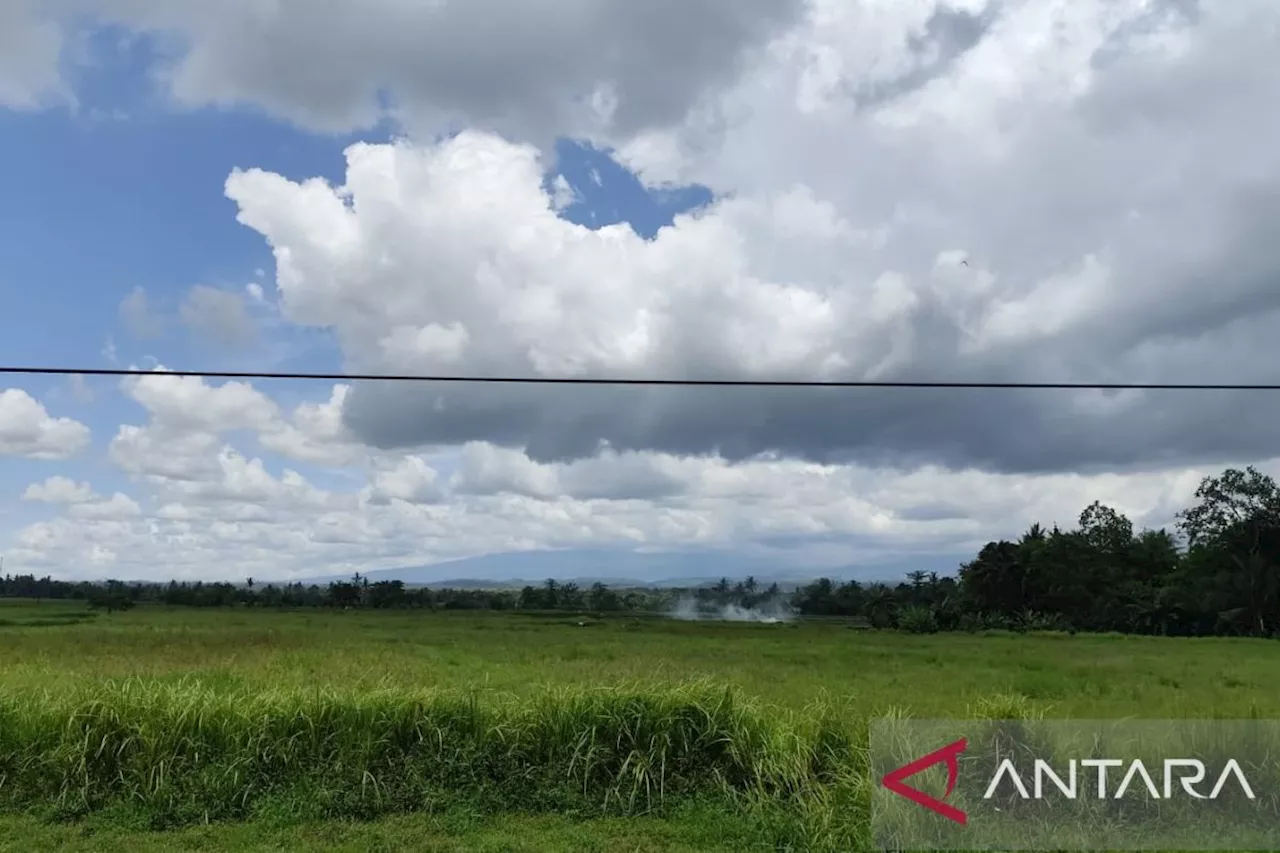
(995, 582)
(344, 594)
(602, 598)
(1234, 537)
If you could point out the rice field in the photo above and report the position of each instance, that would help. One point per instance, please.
(161, 729)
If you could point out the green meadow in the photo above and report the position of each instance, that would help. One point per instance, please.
(251, 729)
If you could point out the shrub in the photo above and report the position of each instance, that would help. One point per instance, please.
(918, 620)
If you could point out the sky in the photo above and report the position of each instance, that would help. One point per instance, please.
(952, 190)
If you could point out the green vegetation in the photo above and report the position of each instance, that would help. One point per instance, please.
(179, 754)
(688, 831)
(514, 731)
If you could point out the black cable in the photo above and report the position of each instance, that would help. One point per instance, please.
(557, 380)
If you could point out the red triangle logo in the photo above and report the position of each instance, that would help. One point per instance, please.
(951, 755)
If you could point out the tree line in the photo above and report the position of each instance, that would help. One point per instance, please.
(1216, 573)
(357, 593)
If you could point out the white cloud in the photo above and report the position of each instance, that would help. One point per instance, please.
(489, 470)
(203, 508)
(240, 518)
(187, 415)
(59, 490)
(315, 434)
(1032, 189)
(116, 508)
(26, 429)
(163, 453)
(411, 479)
(452, 256)
(188, 403)
(540, 293)
(429, 345)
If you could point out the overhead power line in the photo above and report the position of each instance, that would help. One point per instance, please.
(688, 383)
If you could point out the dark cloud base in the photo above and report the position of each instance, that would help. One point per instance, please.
(998, 430)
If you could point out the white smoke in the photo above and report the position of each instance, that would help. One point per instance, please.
(688, 609)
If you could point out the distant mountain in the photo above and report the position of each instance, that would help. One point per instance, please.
(638, 569)
(459, 583)
(520, 583)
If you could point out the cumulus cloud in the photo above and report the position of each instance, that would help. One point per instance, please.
(410, 479)
(118, 507)
(314, 433)
(59, 490)
(26, 429)
(189, 402)
(1040, 234)
(186, 416)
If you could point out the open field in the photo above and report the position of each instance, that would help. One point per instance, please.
(285, 727)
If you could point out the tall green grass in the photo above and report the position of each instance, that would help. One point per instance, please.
(180, 753)
(157, 718)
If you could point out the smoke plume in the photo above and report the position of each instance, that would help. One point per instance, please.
(689, 609)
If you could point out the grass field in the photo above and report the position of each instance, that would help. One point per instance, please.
(452, 731)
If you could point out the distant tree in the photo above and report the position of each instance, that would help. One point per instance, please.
(530, 598)
(817, 598)
(386, 594)
(109, 600)
(570, 596)
(602, 598)
(344, 594)
(881, 606)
